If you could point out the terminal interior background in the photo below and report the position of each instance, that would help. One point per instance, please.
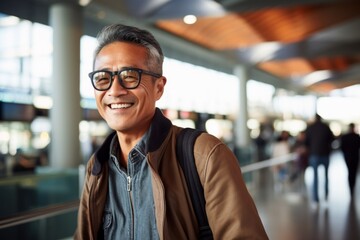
(200, 92)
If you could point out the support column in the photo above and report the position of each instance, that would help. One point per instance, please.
(65, 115)
(242, 135)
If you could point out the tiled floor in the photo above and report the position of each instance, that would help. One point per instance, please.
(289, 214)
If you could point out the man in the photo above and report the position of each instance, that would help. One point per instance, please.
(350, 145)
(318, 140)
(134, 187)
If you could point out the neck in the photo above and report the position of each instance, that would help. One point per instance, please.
(127, 143)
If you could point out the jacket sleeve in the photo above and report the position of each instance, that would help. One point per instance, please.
(231, 211)
(83, 229)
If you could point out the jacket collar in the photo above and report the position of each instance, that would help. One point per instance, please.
(159, 129)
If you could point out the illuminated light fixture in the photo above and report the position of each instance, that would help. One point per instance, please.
(315, 77)
(190, 19)
(43, 102)
(84, 3)
(265, 51)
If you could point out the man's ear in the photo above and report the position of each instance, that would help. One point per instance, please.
(159, 87)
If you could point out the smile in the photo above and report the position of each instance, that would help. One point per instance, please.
(120, 105)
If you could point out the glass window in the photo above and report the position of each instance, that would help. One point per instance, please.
(25, 56)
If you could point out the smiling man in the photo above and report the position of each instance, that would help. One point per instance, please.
(135, 188)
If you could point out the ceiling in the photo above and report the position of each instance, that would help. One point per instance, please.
(303, 45)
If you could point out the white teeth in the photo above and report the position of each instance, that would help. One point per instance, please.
(121, 105)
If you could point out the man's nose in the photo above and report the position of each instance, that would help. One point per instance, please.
(116, 87)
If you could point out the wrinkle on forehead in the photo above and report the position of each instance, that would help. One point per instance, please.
(118, 55)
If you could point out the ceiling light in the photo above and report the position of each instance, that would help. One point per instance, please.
(190, 19)
(315, 77)
(84, 3)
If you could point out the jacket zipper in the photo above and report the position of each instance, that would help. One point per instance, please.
(128, 184)
(128, 187)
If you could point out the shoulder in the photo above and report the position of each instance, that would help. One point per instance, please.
(212, 154)
(206, 143)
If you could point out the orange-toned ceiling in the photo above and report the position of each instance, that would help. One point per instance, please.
(238, 30)
(301, 66)
(235, 31)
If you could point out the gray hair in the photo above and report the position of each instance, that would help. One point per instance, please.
(141, 37)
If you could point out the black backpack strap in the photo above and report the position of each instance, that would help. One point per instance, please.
(185, 155)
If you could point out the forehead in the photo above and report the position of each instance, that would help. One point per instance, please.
(121, 53)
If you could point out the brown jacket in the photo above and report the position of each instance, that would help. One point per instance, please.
(230, 209)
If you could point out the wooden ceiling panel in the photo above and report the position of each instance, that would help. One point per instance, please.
(322, 87)
(285, 25)
(288, 68)
(297, 26)
(335, 64)
(297, 67)
(216, 33)
(327, 86)
(294, 24)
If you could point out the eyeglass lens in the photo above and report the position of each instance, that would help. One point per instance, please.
(129, 79)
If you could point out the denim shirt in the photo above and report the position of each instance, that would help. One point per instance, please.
(129, 210)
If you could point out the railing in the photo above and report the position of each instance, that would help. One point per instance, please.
(37, 204)
(268, 163)
(59, 209)
(41, 213)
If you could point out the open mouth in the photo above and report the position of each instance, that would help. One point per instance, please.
(120, 105)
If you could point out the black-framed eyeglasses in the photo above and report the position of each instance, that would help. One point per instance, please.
(129, 78)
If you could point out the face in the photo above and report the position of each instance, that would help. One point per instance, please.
(127, 111)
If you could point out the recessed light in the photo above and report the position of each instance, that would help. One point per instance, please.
(190, 19)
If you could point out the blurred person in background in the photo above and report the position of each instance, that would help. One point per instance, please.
(280, 148)
(261, 142)
(318, 139)
(301, 160)
(350, 146)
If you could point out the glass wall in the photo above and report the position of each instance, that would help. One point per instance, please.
(25, 59)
